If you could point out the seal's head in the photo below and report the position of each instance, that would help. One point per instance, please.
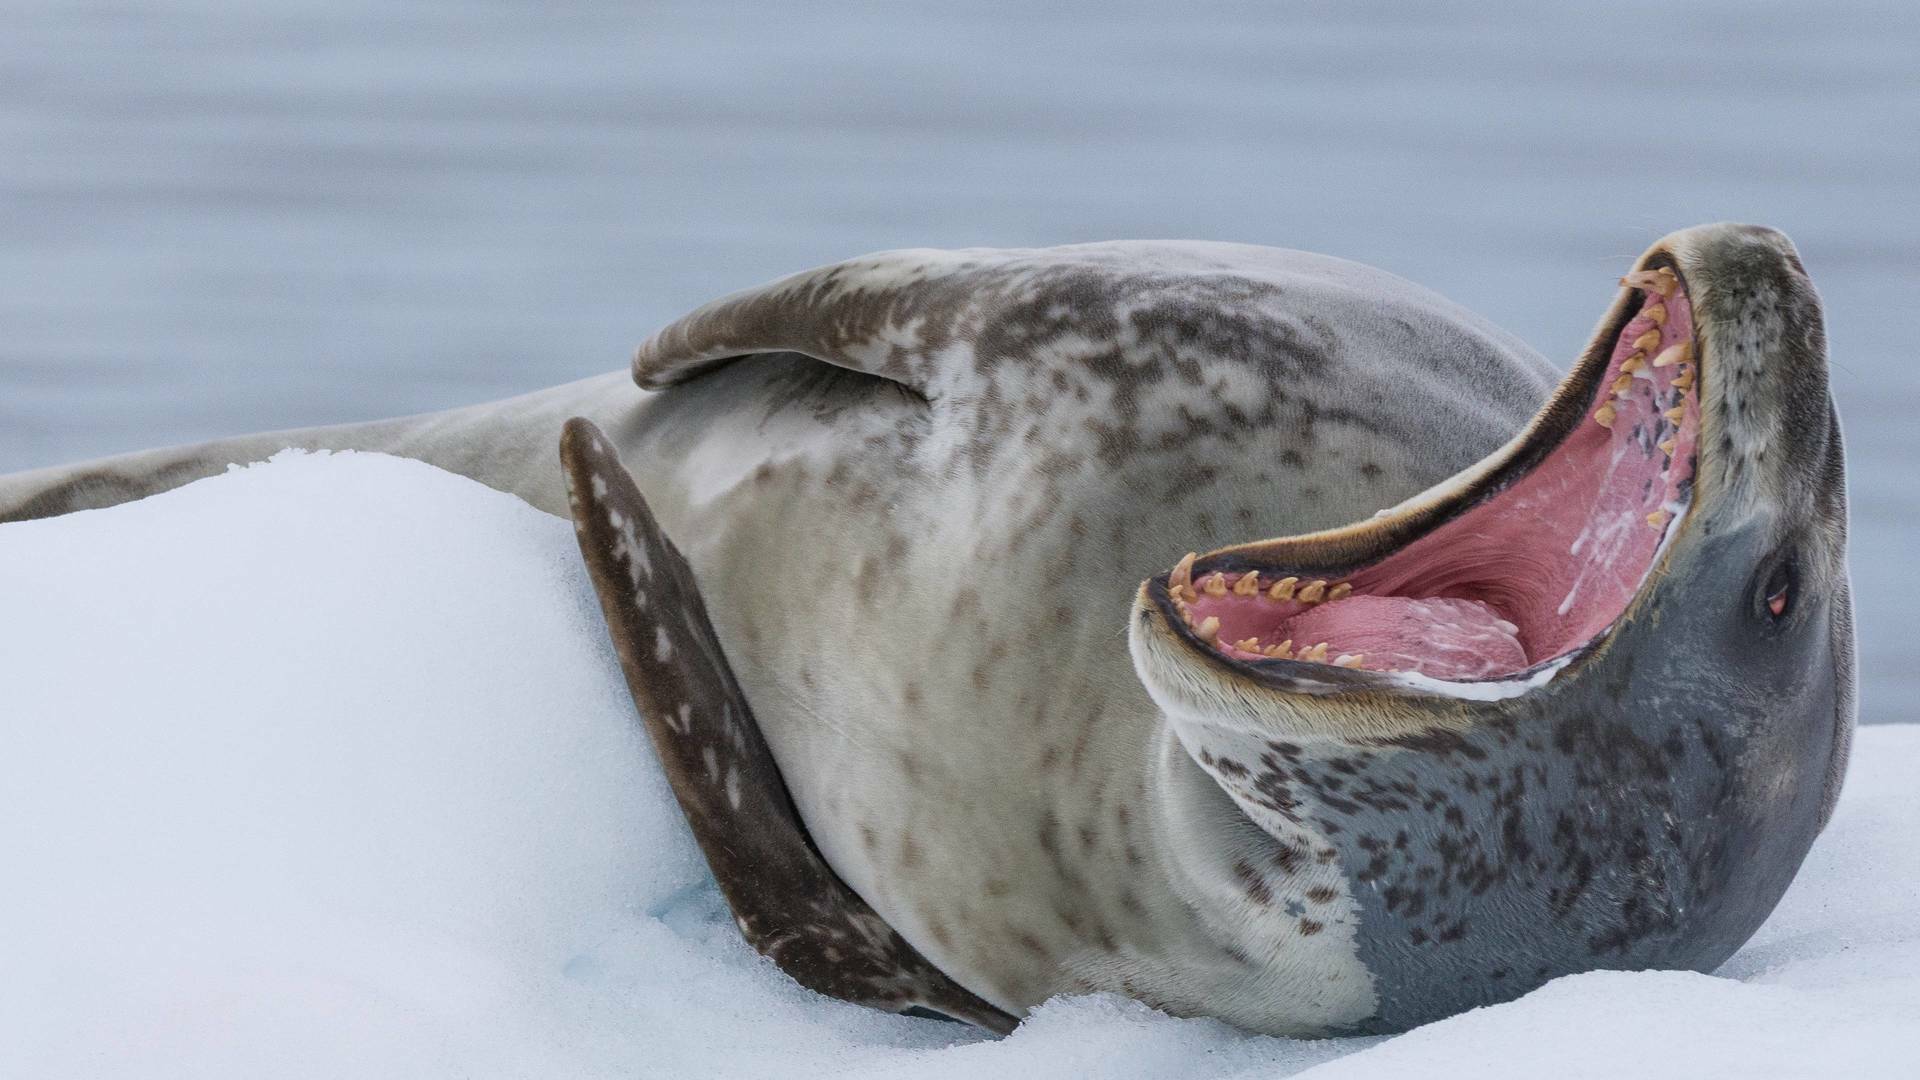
(1659, 557)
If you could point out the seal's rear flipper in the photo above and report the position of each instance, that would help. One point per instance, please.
(787, 900)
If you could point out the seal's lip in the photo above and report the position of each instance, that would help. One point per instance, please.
(1323, 561)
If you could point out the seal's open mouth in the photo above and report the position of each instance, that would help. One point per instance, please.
(1514, 566)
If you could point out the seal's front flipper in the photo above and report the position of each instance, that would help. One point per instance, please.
(787, 900)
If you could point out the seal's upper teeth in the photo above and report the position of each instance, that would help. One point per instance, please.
(1340, 591)
(1647, 341)
(1604, 417)
(1655, 314)
(1312, 592)
(1660, 281)
(1676, 413)
(1248, 584)
(1657, 519)
(1634, 363)
(1282, 589)
(1216, 584)
(1666, 446)
(1623, 383)
(1684, 380)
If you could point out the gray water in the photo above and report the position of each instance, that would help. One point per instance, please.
(222, 217)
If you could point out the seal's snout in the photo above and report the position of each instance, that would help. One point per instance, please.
(1767, 413)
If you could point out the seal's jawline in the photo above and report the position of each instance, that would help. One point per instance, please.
(1515, 581)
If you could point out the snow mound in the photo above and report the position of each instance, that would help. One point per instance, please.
(325, 768)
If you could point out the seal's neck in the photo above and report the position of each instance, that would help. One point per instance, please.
(1474, 865)
(1268, 883)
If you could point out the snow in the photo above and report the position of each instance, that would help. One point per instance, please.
(324, 767)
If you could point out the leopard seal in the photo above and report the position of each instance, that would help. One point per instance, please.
(931, 574)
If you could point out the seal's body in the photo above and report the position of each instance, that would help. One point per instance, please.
(918, 493)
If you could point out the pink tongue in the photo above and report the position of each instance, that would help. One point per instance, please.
(1440, 637)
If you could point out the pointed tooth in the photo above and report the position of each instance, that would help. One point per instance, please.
(1251, 644)
(1182, 575)
(1677, 353)
(1684, 380)
(1604, 417)
(1666, 446)
(1311, 592)
(1634, 363)
(1645, 342)
(1208, 629)
(1348, 660)
(1675, 414)
(1248, 584)
(1282, 651)
(1215, 584)
(1340, 591)
(1622, 384)
(1317, 654)
(1645, 281)
(1282, 589)
(1658, 518)
(1660, 281)
(1655, 314)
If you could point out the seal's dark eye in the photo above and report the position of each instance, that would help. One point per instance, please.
(1779, 589)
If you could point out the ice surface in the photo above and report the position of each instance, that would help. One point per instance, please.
(324, 768)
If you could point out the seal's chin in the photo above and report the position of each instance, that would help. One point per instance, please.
(1504, 573)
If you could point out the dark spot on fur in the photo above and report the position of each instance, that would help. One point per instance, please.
(1255, 885)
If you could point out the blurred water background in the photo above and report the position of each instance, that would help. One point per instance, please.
(219, 217)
